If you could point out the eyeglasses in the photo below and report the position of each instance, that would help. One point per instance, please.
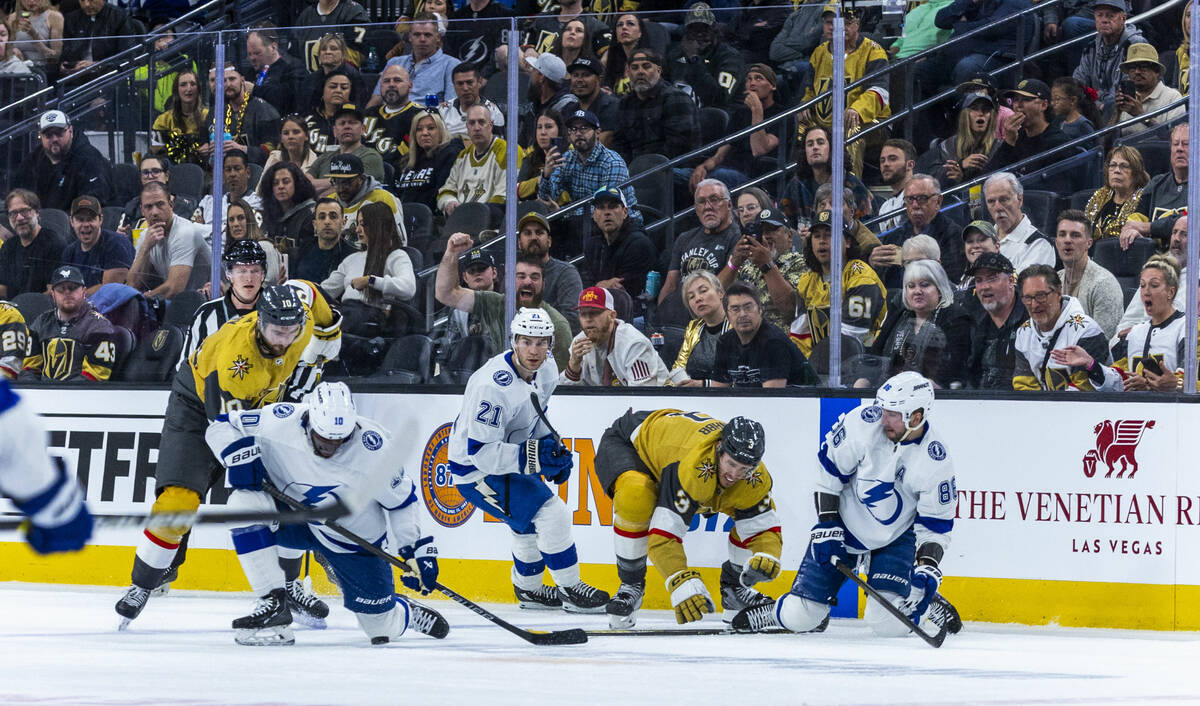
(580, 128)
(711, 201)
(920, 199)
(1039, 297)
(20, 212)
(151, 171)
(1123, 166)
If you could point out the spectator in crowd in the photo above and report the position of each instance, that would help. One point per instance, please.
(62, 167)
(38, 28)
(754, 352)
(318, 258)
(288, 200)
(544, 30)
(866, 103)
(701, 60)
(708, 246)
(486, 309)
(1152, 355)
(994, 323)
(1059, 346)
(331, 56)
(388, 127)
(431, 68)
(243, 270)
(791, 48)
(867, 241)
(100, 255)
(478, 173)
(479, 273)
(548, 89)
(348, 130)
(1100, 66)
(277, 78)
(241, 224)
(897, 160)
(589, 95)
(864, 299)
(1068, 20)
(608, 351)
(752, 29)
(28, 259)
(573, 42)
(235, 173)
(476, 40)
(1028, 132)
(965, 155)
(172, 254)
(251, 122)
(94, 32)
(1164, 197)
(12, 62)
(588, 167)
(764, 259)
(428, 162)
(366, 280)
(349, 17)
(1149, 93)
(703, 297)
(929, 332)
(1178, 62)
(549, 144)
(988, 51)
(151, 168)
(920, 31)
(1118, 202)
(356, 189)
(616, 254)
(560, 280)
(1020, 240)
(72, 342)
(335, 92)
(922, 215)
(177, 130)
(734, 162)
(655, 117)
(294, 146)
(1096, 289)
(750, 201)
(1074, 108)
(812, 170)
(1135, 311)
(628, 37)
(979, 237)
(468, 82)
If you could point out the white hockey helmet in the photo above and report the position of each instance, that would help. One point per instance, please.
(906, 393)
(532, 322)
(331, 412)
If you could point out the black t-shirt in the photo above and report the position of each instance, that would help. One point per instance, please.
(315, 264)
(741, 155)
(770, 355)
(28, 269)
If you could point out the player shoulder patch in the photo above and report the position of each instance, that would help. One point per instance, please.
(503, 378)
(396, 480)
(839, 435)
(283, 410)
(871, 414)
(372, 439)
(936, 451)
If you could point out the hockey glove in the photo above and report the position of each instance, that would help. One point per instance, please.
(59, 520)
(557, 467)
(689, 597)
(923, 587)
(761, 567)
(826, 541)
(547, 458)
(243, 458)
(421, 558)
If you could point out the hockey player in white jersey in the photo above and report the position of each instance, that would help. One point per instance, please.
(38, 484)
(500, 452)
(320, 452)
(886, 496)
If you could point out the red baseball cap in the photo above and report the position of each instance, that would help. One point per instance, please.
(596, 298)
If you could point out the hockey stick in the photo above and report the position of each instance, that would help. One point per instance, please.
(299, 517)
(537, 407)
(574, 636)
(660, 632)
(933, 640)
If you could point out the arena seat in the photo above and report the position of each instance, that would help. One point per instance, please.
(155, 357)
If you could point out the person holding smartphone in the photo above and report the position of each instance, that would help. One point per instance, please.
(1142, 91)
(1151, 357)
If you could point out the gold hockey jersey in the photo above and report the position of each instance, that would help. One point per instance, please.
(14, 340)
(864, 306)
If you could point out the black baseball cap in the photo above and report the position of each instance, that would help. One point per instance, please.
(991, 261)
(1030, 88)
(770, 217)
(586, 116)
(66, 273)
(345, 166)
(585, 63)
(477, 257)
(349, 108)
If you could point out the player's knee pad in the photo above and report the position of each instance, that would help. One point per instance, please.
(174, 499)
(799, 614)
(883, 623)
(250, 501)
(390, 624)
(634, 496)
(553, 524)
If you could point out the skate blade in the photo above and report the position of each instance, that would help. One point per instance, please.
(265, 637)
(530, 605)
(622, 622)
(308, 621)
(571, 608)
(161, 591)
(124, 624)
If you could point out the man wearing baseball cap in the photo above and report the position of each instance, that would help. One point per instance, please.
(996, 314)
(585, 74)
(609, 352)
(1145, 72)
(560, 280)
(102, 256)
(655, 117)
(764, 258)
(1028, 132)
(701, 60)
(588, 167)
(1100, 65)
(72, 341)
(355, 189)
(61, 167)
(548, 88)
(734, 163)
(348, 131)
(616, 254)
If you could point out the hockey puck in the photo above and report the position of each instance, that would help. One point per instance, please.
(380, 640)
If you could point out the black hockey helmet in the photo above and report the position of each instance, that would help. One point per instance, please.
(280, 305)
(744, 441)
(244, 252)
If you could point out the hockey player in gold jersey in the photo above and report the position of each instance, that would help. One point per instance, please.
(246, 364)
(14, 337)
(662, 468)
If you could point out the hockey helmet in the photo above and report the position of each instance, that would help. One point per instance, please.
(280, 305)
(244, 252)
(331, 416)
(906, 393)
(744, 441)
(532, 322)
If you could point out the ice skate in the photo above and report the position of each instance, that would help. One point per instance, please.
(623, 608)
(942, 612)
(131, 604)
(426, 620)
(582, 598)
(164, 586)
(542, 598)
(269, 624)
(306, 608)
(736, 598)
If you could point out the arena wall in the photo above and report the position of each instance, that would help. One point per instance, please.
(1080, 513)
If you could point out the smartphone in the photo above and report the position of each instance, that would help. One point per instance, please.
(1126, 87)
(1152, 365)
(431, 101)
(560, 144)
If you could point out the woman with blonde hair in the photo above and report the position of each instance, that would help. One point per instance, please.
(38, 28)
(702, 293)
(1116, 203)
(1151, 356)
(429, 161)
(965, 154)
(930, 333)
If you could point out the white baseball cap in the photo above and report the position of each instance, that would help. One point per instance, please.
(53, 118)
(550, 66)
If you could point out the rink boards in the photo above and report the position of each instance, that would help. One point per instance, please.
(1054, 523)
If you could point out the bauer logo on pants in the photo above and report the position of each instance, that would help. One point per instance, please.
(445, 503)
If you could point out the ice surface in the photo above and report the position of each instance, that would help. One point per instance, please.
(59, 645)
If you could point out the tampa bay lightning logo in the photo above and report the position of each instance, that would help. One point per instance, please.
(503, 378)
(881, 500)
(373, 440)
(936, 451)
(283, 411)
(871, 414)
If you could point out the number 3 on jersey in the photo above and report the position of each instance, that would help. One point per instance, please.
(489, 414)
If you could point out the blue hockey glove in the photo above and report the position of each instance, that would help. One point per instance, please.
(547, 458)
(243, 458)
(557, 467)
(421, 558)
(59, 520)
(923, 587)
(826, 541)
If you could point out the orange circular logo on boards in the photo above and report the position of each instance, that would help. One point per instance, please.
(445, 503)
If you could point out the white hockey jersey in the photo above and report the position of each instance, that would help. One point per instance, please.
(364, 473)
(885, 488)
(26, 471)
(497, 415)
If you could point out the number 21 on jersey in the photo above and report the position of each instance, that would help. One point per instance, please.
(489, 414)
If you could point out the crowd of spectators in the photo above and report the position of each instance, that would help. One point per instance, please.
(355, 158)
